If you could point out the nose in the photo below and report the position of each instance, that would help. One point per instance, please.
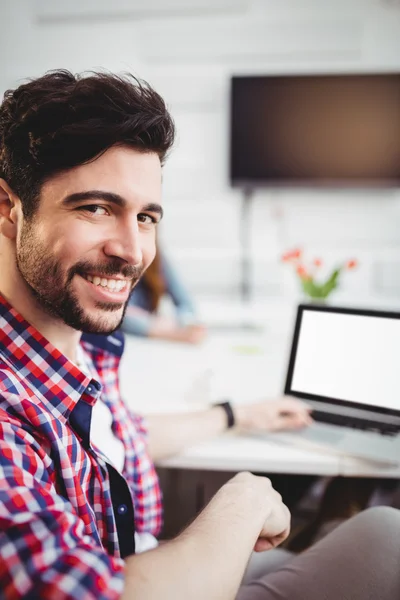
(126, 243)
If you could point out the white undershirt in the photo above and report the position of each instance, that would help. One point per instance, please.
(102, 436)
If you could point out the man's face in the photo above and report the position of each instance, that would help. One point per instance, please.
(91, 238)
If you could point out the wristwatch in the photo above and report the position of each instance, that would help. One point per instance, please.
(230, 417)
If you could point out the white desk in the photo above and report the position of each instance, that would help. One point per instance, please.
(239, 453)
(243, 366)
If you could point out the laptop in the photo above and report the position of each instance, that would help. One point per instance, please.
(345, 363)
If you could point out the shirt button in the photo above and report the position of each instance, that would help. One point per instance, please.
(90, 389)
(122, 509)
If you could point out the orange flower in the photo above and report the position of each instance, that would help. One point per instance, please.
(351, 264)
(317, 262)
(291, 255)
(302, 272)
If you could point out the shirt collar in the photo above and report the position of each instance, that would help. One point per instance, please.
(41, 364)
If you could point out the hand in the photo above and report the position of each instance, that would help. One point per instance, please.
(189, 334)
(166, 328)
(275, 526)
(273, 415)
(192, 334)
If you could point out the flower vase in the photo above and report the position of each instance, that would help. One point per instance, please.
(314, 300)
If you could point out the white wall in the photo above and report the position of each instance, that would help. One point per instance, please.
(188, 49)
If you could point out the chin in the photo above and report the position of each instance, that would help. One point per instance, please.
(100, 329)
(102, 322)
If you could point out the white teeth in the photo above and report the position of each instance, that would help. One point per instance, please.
(114, 285)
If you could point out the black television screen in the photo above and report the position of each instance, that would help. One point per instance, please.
(315, 130)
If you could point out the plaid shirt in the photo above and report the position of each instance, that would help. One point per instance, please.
(58, 527)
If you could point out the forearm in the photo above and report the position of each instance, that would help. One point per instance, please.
(171, 433)
(142, 323)
(209, 558)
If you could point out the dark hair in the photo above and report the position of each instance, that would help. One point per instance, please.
(60, 121)
(154, 282)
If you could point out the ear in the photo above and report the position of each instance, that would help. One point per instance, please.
(8, 211)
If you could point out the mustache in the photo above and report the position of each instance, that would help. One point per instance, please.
(114, 267)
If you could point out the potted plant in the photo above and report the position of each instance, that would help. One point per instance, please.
(315, 287)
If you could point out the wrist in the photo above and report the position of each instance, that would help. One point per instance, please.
(219, 417)
(252, 491)
(227, 409)
(243, 417)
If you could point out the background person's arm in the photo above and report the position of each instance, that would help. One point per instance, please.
(142, 323)
(171, 433)
(209, 558)
(137, 321)
(166, 328)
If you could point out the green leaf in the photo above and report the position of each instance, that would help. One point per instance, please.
(317, 290)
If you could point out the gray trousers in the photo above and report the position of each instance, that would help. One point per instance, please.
(360, 560)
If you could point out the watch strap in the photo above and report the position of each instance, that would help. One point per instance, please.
(230, 417)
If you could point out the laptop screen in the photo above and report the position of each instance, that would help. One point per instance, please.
(346, 356)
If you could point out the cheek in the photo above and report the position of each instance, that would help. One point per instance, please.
(72, 243)
(64, 249)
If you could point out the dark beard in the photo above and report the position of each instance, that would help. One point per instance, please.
(53, 290)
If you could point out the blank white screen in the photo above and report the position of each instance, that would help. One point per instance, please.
(349, 357)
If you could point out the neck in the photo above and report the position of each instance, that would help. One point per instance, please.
(14, 289)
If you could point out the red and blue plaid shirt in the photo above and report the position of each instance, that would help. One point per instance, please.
(58, 533)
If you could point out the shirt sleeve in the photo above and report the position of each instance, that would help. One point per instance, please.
(140, 423)
(44, 550)
(137, 321)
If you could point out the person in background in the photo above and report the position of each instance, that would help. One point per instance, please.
(142, 316)
(80, 199)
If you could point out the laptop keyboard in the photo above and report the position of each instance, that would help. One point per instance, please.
(356, 423)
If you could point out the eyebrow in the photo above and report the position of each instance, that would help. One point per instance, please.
(110, 197)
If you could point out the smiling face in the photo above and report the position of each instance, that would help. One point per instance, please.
(91, 238)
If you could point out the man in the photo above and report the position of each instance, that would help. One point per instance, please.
(80, 166)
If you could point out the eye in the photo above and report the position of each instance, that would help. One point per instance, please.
(146, 219)
(94, 209)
